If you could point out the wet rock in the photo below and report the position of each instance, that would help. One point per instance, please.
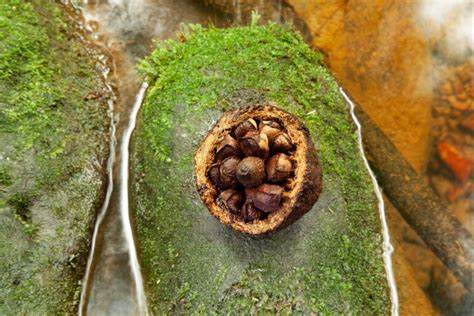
(459, 164)
(52, 160)
(458, 191)
(401, 106)
(283, 268)
(441, 185)
(462, 209)
(417, 254)
(449, 293)
(458, 88)
(458, 104)
(468, 122)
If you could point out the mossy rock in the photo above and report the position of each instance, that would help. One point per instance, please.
(330, 261)
(53, 145)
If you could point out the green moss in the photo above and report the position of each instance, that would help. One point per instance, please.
(5, 178)
(330, 261)
(52, 143)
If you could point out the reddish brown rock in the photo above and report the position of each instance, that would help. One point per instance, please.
(468, 122)
(461, 166)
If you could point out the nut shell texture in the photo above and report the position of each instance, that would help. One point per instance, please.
(301, 191)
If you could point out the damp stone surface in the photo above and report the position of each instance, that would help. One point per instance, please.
(53, 148)
(328, 262)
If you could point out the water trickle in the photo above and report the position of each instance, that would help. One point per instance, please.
(109, 264)
(124, 202)
(101, 214)
(113, 282)
(387, 246)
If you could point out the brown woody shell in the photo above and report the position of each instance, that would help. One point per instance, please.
(298, 194)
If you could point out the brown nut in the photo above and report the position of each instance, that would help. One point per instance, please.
(270, 123)
(215, 175)
(231, 200)
(245, 127)
(250, 213)
(251, 171)
(227, 172)
(255, 144)
(265, 197)
(282, 143)
(228, 147)
(278, 168)
(270, 128)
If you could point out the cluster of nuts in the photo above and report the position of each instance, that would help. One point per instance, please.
(252, 164)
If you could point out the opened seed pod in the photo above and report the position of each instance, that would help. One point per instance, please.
(268, 207)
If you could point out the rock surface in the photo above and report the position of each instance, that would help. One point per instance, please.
(330, 261)
(53, 145)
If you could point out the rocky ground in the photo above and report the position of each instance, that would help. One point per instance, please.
(53, 147)
(451, 165)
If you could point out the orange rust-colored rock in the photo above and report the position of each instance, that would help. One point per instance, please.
(468, 122)
(461, 166)
(412, 299)
(268, 207)
(377, 53)
(459, 190)
(458, 87)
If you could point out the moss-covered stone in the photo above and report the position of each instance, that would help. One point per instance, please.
(330, 261)
(53, 143)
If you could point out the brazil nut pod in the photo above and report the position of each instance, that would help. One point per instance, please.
(279, 183)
